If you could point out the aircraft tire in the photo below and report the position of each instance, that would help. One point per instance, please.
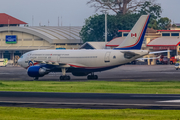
(88, 77)
(92, 77)
(67, 77)
(64, 78)
(96, 77)
(36, 78)
(61, 78)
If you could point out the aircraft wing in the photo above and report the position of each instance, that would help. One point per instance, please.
(147, 58)
(49, 62)
(62, 65)
(159, 51)
(142, 59)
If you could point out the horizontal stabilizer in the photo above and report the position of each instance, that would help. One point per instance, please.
(160, 51)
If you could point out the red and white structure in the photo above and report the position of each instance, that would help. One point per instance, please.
(154, 40)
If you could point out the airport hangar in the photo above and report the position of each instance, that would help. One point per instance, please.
(16, 39)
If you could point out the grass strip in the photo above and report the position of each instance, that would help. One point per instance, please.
(171, 87)
(14, 113)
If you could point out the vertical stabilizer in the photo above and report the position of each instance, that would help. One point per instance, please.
(136, 36)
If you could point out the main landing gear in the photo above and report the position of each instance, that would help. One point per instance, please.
(36, 78)
(92, 77)
(64, 76)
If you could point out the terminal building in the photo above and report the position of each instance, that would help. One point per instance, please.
(17, 38)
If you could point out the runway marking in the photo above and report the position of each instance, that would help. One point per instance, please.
(4, 73)
(136, 79)
(155, 96)
(69, 103)
(170, 101)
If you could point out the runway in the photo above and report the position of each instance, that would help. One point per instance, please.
(122, 73)
(90, 100)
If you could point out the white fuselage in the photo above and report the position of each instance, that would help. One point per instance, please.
(80, 58)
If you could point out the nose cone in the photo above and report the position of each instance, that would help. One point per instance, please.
(19, 61)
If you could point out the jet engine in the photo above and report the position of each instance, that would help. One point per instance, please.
(37, 71)
(80, 73)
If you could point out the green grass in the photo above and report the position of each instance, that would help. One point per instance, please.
(13, 113)
(171, 87)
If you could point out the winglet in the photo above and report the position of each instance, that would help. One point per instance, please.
(135, 37)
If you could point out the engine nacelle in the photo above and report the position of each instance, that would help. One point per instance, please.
(80, 73)
(36, 71)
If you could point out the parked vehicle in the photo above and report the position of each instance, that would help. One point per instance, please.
(173, 60)
(3, 62)
(177, 66)
(162, 60)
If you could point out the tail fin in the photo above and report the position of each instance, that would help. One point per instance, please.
(136, 36)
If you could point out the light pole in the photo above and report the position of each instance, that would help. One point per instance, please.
(105, 12)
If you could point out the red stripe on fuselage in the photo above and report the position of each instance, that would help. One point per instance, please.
(33, 65)
(76, 66)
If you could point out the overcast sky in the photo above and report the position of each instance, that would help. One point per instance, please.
(73, 12)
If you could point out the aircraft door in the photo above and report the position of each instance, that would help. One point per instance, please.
(107, 57)
(58, 58)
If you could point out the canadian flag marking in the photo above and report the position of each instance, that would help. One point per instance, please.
(133, 35)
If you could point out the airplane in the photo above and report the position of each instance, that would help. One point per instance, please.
(85, 62)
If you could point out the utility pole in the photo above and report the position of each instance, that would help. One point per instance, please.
(61, 20)
(32, 20)
(58, 21)
(105, 12)
(8, 24)
(105, 28)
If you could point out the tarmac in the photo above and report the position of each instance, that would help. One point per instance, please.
(122, 73)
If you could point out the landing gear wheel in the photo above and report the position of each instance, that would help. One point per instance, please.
(95, 77)
(92, 77)
(89, 77)
(36, 78)
(64, 78)
(67, 78)
(61, 78)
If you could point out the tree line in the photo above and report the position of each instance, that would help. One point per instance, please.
(126, 13)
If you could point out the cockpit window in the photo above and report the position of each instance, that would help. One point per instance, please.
(21, 56)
